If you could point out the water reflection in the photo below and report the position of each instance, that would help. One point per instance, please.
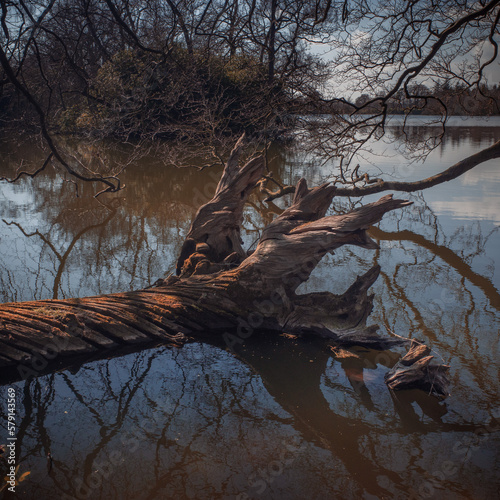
(282, 418)
(278, 422)
(61, 256)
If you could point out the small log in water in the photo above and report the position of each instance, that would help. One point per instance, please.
(415, 370)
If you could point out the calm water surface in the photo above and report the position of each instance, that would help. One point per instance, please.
(279, 419)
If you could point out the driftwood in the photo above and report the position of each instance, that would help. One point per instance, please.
(220, 293)
(415, 370)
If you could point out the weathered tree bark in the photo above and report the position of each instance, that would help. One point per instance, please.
(415, 370)
(220, 293)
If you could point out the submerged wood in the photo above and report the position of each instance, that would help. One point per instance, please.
(220, 292)
(416, 370)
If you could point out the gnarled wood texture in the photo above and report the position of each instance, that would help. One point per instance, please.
(416, 369)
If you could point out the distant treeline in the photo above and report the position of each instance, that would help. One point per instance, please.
(457, 99)
(421, 100)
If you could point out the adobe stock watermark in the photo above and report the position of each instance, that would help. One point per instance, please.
(277, 301)
(39, 360)
(255, 319)
(209, 188)
(462, 451)
(259, 481)
(11, 440)
(130, 442)
(440, 305)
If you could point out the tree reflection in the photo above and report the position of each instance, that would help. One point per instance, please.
(60, 256)
(436, 291)
(196, 421)
(136, 248)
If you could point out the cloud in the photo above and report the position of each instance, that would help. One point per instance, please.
(470, 209)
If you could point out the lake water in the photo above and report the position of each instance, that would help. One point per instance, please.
(281, 418)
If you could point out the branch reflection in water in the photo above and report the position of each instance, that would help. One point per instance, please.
(283, 418)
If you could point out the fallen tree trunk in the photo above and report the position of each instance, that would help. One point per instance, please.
(219, 292)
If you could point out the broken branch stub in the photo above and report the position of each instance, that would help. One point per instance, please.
(293, 244)
(415, 370)
(213, 241)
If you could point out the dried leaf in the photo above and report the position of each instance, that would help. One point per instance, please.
(24, 475)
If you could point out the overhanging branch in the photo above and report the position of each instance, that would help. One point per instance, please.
(449, 174)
